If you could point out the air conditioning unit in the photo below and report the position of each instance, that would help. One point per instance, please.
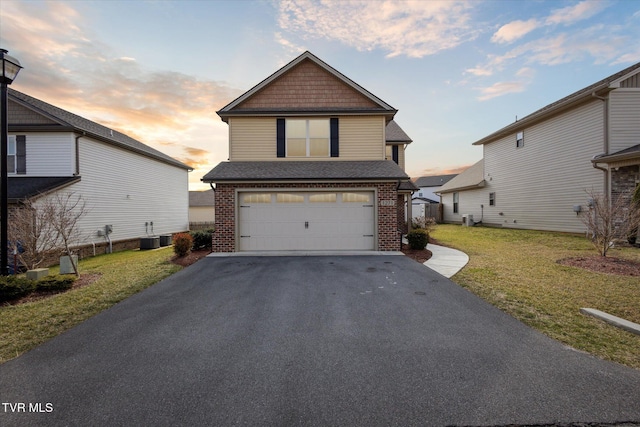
(467, 220)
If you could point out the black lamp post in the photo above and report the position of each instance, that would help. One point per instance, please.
(10, 69)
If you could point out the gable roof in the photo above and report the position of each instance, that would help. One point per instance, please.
(306, 171)
(376, 104)
(395, 134)
(597, 89)
(26, 187)
(472, 177)
(63, 120)
(435, 180)
(202, 198)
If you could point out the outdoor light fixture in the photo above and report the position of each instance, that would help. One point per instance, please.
(10, 69)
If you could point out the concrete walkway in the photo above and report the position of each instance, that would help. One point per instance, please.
(446, 261)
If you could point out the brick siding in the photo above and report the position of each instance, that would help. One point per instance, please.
(225, 203)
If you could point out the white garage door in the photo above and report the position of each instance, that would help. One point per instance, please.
(276, 221)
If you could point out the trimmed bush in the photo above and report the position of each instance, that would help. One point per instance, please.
(201, 240)
(182, 244)
(56, 283)
(12, 287)
(418, 238)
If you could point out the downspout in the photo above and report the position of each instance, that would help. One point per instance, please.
(605, 147)
(77, 147)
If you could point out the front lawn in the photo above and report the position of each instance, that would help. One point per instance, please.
(518, 271)
(122, 274)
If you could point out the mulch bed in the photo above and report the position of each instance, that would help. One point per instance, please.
(190, 258)
(82, 281)
(419, 255)
(607, 265)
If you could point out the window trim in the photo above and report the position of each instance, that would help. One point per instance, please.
(520, 139)
(12, 141)
(456, 202)
(309, 138)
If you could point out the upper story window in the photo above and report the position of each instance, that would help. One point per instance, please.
(307, 138)
(520, 139)
(17, 154)
(391, 153)
(11, 154)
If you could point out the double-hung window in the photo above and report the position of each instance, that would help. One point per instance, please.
(11, 154)
(520, 139)
(492, 199)
(308, 137)
(455, 202)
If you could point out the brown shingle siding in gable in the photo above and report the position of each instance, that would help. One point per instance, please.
(307, 86)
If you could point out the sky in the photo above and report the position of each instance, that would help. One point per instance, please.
(456, 71)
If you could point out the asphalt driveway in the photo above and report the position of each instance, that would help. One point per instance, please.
(363, 340)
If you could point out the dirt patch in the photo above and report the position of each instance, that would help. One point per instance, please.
(607, 265)
(190, 258)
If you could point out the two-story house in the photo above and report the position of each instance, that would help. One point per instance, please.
(310, 167)
(536, 173)
(125, 184)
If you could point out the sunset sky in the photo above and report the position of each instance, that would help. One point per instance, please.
(456, 70)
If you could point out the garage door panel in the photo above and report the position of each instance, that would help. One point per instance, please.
(307, 221)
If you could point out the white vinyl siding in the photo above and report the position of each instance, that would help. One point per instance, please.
(254, 138)
(50, 154)
(126, 190)
(539, 183)
(469, 202)
(624, 116)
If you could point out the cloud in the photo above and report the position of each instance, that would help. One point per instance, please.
(66, 65)
(500, 89)
(414, 28)
(571, 14)
(514, 30)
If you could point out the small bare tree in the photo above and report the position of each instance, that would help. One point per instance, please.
(31, 234)
(610, 220)
(39, 227)
(64, 211)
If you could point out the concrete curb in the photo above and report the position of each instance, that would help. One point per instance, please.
(634, 328)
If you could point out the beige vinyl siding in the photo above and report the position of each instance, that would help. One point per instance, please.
(401, 151)
(202, 214)
(126, 190)
(50, 154)
(254, 138)
(362, 138)
(537, 185)
(624, 117)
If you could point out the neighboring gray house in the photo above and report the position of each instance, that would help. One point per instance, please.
(425, 201)
(536, 171)
(126, 184)
(201, 208)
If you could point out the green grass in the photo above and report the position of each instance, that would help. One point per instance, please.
(517, 271)
(23, 327)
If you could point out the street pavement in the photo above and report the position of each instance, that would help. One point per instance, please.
(333, 340)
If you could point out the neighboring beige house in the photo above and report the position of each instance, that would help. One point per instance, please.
(307, 166)
(201, 208)
(536, 172)
(130, 189)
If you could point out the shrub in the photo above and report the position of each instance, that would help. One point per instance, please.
(12, 287)
(418, 238)
(201, 240)
(428, 224)
(182, 244)
(56, 283)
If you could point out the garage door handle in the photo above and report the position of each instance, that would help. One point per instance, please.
(306, 224)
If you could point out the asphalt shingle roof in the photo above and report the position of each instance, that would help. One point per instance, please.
(20, 188)
(434, 181)
(472, 177)
(306, 170)
(394, 133)
(92, 128)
